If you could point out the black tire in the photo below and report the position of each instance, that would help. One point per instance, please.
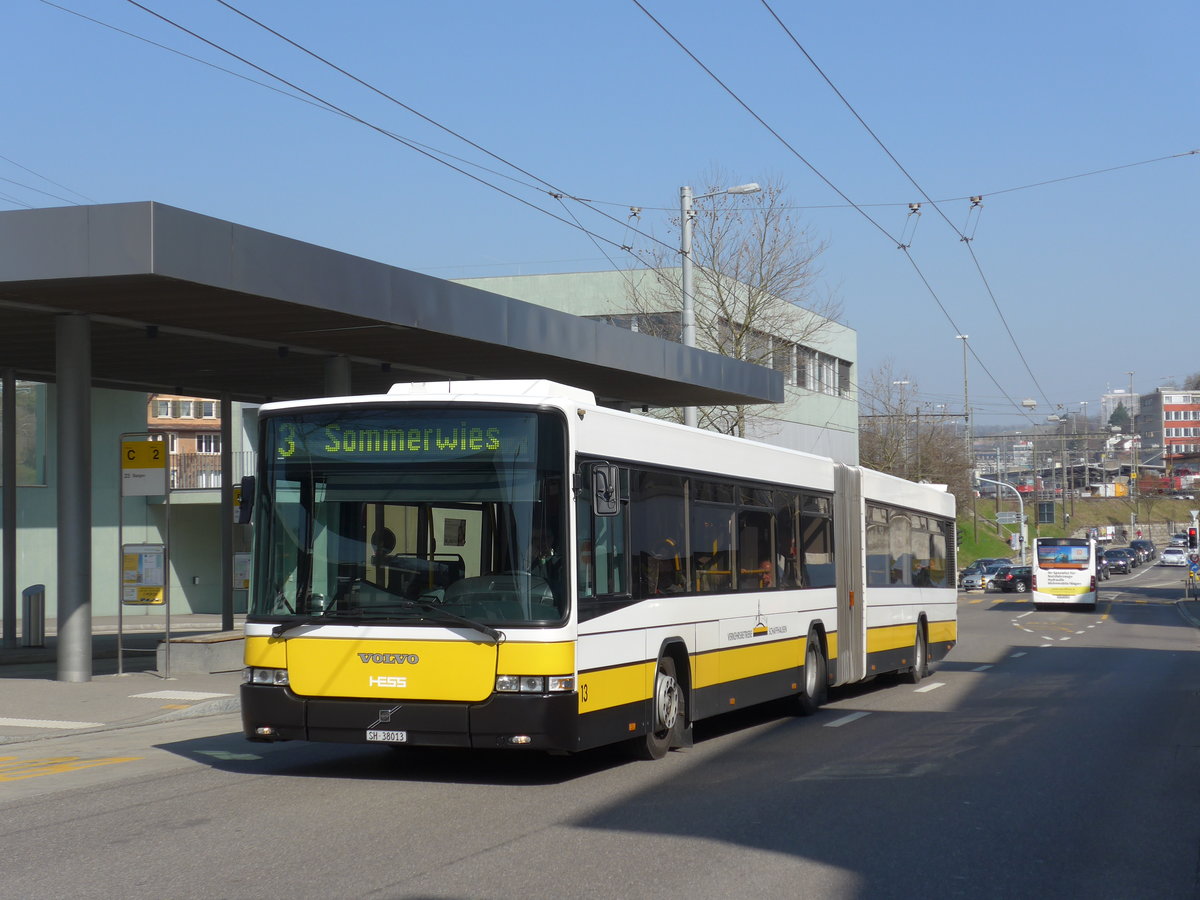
(668, 714)
(816, 679)
(1020, 587)
(920, 659)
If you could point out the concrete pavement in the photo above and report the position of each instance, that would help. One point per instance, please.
(35, 706)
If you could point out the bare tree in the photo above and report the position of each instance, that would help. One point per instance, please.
(902, 436)
(754, 292)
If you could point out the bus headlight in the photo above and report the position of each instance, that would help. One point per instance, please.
(258, 675)
(535, 684)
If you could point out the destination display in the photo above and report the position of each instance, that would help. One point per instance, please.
(403, 435)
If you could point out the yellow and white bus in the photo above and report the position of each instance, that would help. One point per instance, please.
(508, 564)
(1064, 571)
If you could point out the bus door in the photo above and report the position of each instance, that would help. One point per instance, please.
(852, 619)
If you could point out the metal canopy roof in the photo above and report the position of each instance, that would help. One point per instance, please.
(188, 304)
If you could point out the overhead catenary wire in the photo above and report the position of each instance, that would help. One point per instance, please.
(961, 235)
(382, 131)
(898, 243)
(552, 189)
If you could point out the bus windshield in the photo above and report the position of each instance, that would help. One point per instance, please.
(412, 513)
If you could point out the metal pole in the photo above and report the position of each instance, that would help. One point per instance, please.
(226, 567)
(1021, 507)
(685, 265)
(1133, 448)
(10, 509)
(966, 402)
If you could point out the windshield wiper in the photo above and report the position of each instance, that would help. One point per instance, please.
(283, 628)
(365, 615)
(446, 616)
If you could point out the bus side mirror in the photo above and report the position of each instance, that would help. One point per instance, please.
(606, 495)
(246, 505)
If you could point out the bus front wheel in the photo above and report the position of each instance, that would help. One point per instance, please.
(668, 714)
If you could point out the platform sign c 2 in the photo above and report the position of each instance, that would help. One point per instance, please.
(143, 468)
(143, 573)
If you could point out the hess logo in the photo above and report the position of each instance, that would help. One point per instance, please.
(388, 681)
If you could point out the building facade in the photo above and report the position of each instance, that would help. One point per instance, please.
(1169, 424)
(820, 411)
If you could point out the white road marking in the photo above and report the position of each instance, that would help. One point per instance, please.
(179, 695)
(930, 687)
(846, 720)
(47, 723)
(982, 668)
(1017, 654)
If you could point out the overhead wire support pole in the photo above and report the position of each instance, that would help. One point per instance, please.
(686, 215)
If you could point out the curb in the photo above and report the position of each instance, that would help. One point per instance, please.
(215, 707)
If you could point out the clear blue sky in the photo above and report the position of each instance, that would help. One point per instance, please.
(1096, 276)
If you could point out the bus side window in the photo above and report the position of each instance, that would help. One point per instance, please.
(601, 564)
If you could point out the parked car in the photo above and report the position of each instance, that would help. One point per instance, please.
(1121, 559)
(1173, 556)
(978, 579)
(970, 572)
(1102, 573)
(1146, 548)
(1018, 579)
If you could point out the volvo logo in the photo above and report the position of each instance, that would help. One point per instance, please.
(390, 659)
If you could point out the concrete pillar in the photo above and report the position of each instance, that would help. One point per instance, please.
(73, 373)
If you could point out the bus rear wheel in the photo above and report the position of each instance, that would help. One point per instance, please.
(920, 659)
(816, 683)
(668, 713)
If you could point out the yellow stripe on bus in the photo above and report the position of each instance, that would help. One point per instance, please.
(943, 632)
(606, 688)
(891, 637)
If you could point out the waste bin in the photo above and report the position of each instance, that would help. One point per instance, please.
(33, 616)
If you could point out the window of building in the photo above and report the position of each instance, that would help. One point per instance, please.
(208, 443)
(31, 432)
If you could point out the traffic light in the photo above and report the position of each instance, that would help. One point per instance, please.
(1192, 545)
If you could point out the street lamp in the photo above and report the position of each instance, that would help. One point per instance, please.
(686, 215)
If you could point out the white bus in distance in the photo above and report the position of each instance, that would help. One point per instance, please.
(1064, 571)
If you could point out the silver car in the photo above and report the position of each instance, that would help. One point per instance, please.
(1173, 556)
(979, 579)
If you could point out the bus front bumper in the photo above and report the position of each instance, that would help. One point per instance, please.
(528, 721)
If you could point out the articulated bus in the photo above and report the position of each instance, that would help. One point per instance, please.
(1064, 571)
(509, 565)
